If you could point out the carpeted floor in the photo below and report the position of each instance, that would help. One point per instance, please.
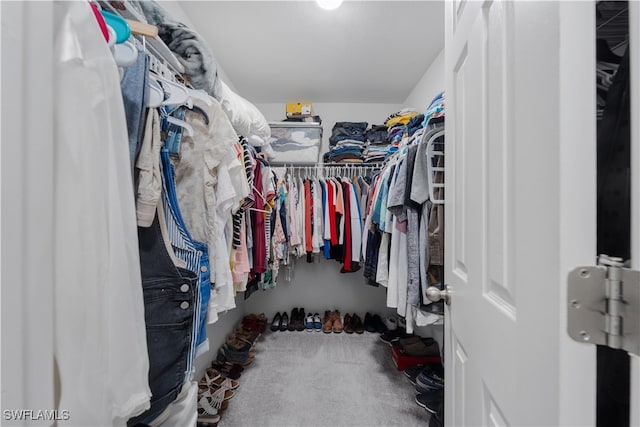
(317, 379)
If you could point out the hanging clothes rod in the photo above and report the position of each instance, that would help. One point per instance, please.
(332, 165)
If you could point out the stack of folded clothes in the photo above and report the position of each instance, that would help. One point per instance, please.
(415, 124)
(347, 143)
(397, 124)
(375, 153)
(377, 144)
(353, 131)
(346, 151)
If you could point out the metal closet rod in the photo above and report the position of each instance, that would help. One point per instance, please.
(330, 165)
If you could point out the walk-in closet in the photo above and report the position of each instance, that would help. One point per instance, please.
(320, 213)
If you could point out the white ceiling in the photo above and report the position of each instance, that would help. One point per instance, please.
(283, 51)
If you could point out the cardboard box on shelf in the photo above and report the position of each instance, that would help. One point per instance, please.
(298, 109)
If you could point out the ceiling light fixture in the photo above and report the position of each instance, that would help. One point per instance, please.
(329, 4)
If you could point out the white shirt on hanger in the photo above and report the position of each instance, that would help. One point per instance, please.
(100, 342)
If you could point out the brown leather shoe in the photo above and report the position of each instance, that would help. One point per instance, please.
(356, 324)
(337, 322)
(327, 324)
(348, 327)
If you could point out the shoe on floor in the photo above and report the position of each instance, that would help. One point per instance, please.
(412, 372)
(356, 324)
(293, 320)
(284, 324)
(420, 388)
(277, 321)
(327, 324)
(390, 336)
(300, 321)
(430, 379)
(368, 323)
(337, 327)
(317, 323)
(430, 401)
(348, 328)
(378, 324)
(308, 322)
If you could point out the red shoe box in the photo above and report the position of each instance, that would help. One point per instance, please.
(403, 361)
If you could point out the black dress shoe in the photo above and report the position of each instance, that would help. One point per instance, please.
(379, 324)
(293, 320)
(284, 325)
(277, 320)
(368, 323)
(300, 321)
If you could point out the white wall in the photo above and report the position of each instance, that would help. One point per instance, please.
(317, 287)
(431, 84)
(27, 372)
(330, 113)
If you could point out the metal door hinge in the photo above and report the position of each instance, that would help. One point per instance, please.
(604, 305)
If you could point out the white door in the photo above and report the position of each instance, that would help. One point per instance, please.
(521, 210)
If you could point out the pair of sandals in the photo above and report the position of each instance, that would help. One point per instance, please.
(214, 392)
(240, 333)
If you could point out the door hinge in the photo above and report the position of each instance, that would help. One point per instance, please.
(604, 305)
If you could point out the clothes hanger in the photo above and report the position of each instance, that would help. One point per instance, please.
(200, 111)
(125, 54)
(177, 93)
(119, 25)
(201, 95)
(156, 94)
(186, 126)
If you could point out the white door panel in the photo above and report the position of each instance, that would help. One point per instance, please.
(510, 192)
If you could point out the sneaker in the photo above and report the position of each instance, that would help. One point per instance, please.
(317, 323)
(389, 336)
(309, 323)
(430, 379)
(430, 401)
(422, 389)
(412, 372)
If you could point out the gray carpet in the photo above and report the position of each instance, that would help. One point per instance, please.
(317, 379)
